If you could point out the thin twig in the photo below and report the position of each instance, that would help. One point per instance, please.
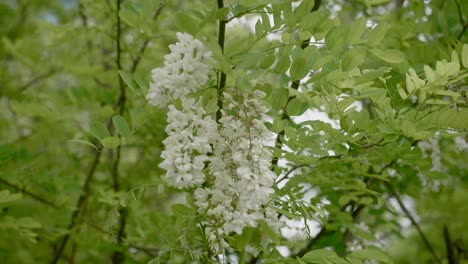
(36, 80)
(29, 193)
(415, 224)
(448, 246)
(137, 59)
(462, 21)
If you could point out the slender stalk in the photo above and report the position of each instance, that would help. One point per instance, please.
(222, 75)
(415, 224)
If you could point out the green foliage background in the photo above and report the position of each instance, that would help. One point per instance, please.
(77, 72)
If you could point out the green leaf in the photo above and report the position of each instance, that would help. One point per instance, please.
(258, 29)
(186, 22)
(85, 143)
(319, 256)
(222, 13)
(464, 56)
(183, 210)
(447, 93)
(371, 253)
(296, 107)
(267, 61)
(390, 56)
(430, 74)
(304, 8)
(120, 123)
(337, 38)
(6, 197)
(402, 92)
(276, 238)
(299, 68)
(437, 102)
(376, 35)
(282, 64)
(99, 130)
(110, 142)
(357, 29)
(139, 116)
(128, 79)
(353, 58)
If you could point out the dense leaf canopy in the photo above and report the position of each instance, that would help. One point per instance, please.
(365, 102)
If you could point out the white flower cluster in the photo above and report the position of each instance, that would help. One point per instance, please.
(185, 71)
(190, 133)
(240, 166)
(225, 161)
(432, 145)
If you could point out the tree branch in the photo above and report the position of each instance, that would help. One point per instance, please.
(448, 245)
(414, 223)
(79, 206)
(118, 256)
(28, 193)
(36, 80)
(222, 75)
(462, 21)
(137, 59)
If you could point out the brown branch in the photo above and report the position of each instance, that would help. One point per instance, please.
(29, 193)
(222, 75)
(414, 223)
(118, 256)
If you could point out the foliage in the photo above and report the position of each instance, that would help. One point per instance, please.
(367, 101)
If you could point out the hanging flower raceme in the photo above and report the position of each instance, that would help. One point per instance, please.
(227, 157)
(190, 133)
(240, 167)
(186, 70)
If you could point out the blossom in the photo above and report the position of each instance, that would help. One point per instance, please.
(186, 70)
(240, 167)
(432, 145)
(190, 135)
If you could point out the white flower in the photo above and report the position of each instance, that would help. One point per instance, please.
(190, 134)
(240, 166)
(432, 145)
(186, 70)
